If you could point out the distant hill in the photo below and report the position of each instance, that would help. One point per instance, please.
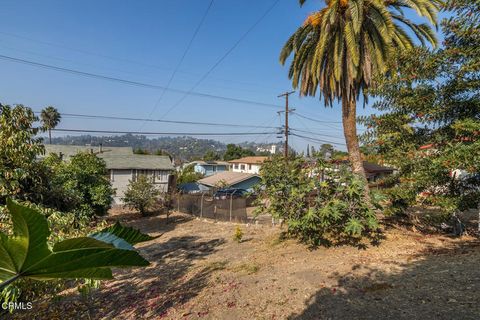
(182, 148)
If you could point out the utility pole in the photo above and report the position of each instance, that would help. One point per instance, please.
(287, 110)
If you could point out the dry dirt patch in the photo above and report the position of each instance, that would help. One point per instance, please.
(199, 272)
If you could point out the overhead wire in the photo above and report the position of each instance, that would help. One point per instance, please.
(177, 67)
(163, 133)
(88, 116)
(133, 83)
(222, 58)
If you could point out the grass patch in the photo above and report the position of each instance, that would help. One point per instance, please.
(216, 265)
(248, 268)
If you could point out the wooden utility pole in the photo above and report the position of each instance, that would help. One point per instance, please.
(287, 132)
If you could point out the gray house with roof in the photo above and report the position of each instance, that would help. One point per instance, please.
(124, 166)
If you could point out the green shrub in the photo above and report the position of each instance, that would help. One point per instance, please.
(141, 194)
(317, 210)
(238, 234)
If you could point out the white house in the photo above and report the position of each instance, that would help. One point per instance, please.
(247, 164)
(124, 166)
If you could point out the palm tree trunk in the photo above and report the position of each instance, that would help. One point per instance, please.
(349, 120)
(50, 136)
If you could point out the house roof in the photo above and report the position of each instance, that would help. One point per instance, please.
(250, 160)
(136, 161)
(116, 157)
(373, 167)
(228, 177)
(209, 163)
(69, 150)
(370, 167)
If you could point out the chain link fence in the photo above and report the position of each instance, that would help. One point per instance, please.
(231, 208)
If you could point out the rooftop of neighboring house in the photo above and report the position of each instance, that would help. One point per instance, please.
(371, 167)
(209, 163)
(228, 178)
(116, 157)
(69, 150)
(251, 160)
(137, 161)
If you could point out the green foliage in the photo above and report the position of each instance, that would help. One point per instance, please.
(319, 203)
(238, 234)
(235, 152)
(79, 185)
(141, 194)
(211, 155)
(341, 47)
(18, 151)
(129, 234)
(429, 123)
(25, 252)
(50, 119)
(188, 175)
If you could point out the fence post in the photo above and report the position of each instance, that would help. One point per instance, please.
(231, 203)
(178, 203)
(201, 206)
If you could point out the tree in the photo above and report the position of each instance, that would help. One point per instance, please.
(429, 124)
(80, 184)
(341, 47)
(188, 175)
(211, 155)
(18, 152)
(326, 150)
(141, 194)
(50, 118)
(235, 152)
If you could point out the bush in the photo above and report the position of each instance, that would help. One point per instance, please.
(141, 194)
(238, 234)
(318, 203)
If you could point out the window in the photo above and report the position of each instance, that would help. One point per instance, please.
(249, 167)
(242, 167)
(236, 166)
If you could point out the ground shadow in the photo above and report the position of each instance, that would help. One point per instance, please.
(441, 284)
(172, 279)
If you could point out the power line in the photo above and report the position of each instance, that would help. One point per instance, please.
(133, 83)
(82, 51)
(74, 115)
(229, 51)
(317, 140)
(315, 133)
(181, 59)
(315, 120)
(164, 133)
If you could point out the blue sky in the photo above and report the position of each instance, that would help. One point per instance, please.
(143, 41)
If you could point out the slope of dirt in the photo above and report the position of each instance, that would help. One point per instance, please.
(198, 272)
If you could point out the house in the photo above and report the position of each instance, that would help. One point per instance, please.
(124, 166)
(229, 179)
(248, 164)
(207, 168)
(373, 171)
(192, 187)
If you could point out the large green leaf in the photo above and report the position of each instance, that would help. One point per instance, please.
(129, 234)
(26, 253)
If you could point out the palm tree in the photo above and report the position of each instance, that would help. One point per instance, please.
(341, 47)
(50, 118)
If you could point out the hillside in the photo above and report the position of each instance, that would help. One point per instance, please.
(184, 148)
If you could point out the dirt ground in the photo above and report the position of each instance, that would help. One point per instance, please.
(198, 271)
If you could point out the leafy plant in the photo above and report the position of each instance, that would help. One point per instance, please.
(238, 234)
(428, 123)
(318, 202)
(141, 194)
(50, 119)
(24, 253)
